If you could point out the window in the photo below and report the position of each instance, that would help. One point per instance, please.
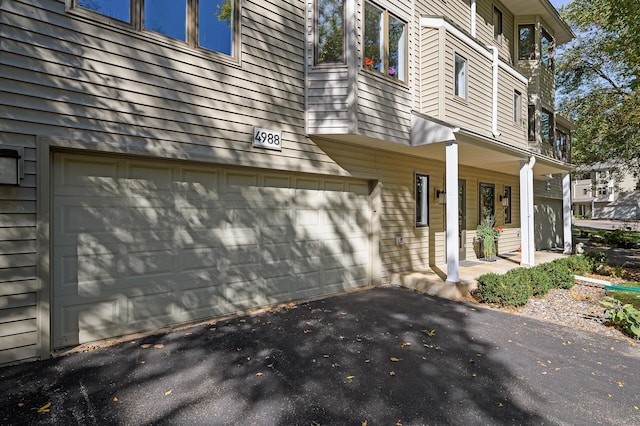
(546, 127)
(517, 107)
(118, 9)
(497, 25)
(526, 42)
(168, 17)
(208, 24)
(422, 200)
(507, 209)
(532, 122)
(487, 201)
(385, 45)
(330, 31)
(547, 49)
(460, 86)
(562, 144)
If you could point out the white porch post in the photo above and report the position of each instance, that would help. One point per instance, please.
(527, 240)
(451, 184)
(566, 213)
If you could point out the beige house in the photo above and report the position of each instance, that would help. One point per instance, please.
(166, 162)
(602, 191)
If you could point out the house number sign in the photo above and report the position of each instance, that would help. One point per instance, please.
(265, 138)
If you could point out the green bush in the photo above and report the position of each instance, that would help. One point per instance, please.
(578, 265)
(503, 290)
(597, 260)
(538, 282)
(559, 273)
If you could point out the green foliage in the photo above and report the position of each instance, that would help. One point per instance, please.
(597, 260)
(624, 316)
(578, 265)
(494, 288)
(598, 77)
(488, 233)
(559, 273)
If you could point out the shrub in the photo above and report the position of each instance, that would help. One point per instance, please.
(559, 273)
(503, 290)
(578, 265)
(624, 316)
(597, 260)
(538, 283)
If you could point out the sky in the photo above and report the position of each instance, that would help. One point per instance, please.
(558, 3)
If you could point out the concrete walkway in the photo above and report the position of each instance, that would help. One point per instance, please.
(432, 281)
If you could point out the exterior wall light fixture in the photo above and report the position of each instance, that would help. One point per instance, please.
(9, 166)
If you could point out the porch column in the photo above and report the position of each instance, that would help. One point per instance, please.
(527, 240)
(451, 185)
(566, 213)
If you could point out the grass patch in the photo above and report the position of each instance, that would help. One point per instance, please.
(626, 296)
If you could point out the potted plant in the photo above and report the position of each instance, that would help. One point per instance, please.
(487, 235)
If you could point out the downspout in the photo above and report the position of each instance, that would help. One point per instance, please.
(494, 113)
(473, 18)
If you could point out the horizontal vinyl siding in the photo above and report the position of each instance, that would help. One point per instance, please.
(384, 109)
(475, 112)
(510, 239)
(71, 77)
(18, 258)
(512, 133)
(457, 11)
(328, 109)
(397, 217)
(429, 84)
(485, 27)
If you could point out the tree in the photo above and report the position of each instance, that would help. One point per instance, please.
(598, 77)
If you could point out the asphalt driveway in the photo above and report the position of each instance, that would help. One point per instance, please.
(385, 356)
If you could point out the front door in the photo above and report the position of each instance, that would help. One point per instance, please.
(462, 218)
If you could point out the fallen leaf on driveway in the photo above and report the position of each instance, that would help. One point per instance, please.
(167, 393)
(259, 374)
(351, 377)
(158, 346)
(429, 333)
(620, 384)
(405, 344)
(392, 373)
(115, 399)
(145, 346)
(394, 359)
(45, 408)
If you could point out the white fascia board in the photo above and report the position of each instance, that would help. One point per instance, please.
(438, 22)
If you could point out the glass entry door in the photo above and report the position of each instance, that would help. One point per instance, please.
(462, 218)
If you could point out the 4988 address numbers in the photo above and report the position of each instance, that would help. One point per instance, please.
(265, 138)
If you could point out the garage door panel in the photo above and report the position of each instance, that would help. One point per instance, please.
(91, 320)
(170, 243)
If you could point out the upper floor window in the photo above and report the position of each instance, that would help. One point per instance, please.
(547, 49)
(526, 41)
(531, 122)
(460, 76)
(208, 24)
(562, 144)
(118, 9)
(517, 107)
(385, 44)
(497, 25)
(330, 31)
(546, 127)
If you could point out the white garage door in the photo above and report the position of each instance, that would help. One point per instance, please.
(140, 244)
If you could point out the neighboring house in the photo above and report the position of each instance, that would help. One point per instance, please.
(185, 159)
(602, 191)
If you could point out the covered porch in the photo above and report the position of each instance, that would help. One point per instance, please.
(433, 280)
